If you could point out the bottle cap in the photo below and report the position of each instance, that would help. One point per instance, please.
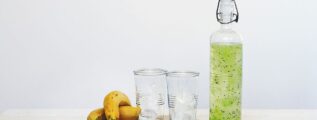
(227, 11)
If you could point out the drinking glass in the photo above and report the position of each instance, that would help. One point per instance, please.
(182, 94)
(150, 93)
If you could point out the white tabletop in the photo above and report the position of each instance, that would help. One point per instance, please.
(81, 114)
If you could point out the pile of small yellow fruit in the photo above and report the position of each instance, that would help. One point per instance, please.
(116, 106)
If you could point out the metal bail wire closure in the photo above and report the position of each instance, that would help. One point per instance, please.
(235, 14)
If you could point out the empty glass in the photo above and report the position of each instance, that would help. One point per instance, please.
(150, 93)
(182, 95)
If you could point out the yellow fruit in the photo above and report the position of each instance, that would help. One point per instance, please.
(129, 113)
(112, 102)
(97, 114)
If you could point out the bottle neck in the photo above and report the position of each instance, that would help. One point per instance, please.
(226, 26)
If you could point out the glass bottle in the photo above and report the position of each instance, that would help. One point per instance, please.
(226, 65)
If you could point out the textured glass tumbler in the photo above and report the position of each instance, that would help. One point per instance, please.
(150, 93)
(182, 95)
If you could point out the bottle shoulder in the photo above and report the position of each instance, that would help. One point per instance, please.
(226, 35)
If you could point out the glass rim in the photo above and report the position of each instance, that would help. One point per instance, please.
(183, 74)
(150, 71)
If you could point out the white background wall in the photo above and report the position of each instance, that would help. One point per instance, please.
(70, 53)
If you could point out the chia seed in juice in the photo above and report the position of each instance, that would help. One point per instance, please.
(226, 81)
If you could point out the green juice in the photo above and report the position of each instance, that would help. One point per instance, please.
(226, 81)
